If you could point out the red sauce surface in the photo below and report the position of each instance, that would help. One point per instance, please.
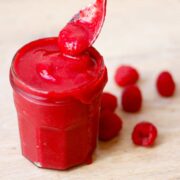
(42, 66)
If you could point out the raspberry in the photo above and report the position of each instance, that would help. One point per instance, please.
(144, 134)
(132, 99)
(109, 101)
(110, 125)
(165, 84)
(126, 75)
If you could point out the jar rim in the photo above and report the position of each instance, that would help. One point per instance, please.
(19, 84)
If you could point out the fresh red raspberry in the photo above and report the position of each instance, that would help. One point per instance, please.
(126, 75)
(110, 125)
(109, 101)
(165, 84)
(131, 99)
(144, 134)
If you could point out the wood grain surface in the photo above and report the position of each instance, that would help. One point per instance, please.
(145, 34)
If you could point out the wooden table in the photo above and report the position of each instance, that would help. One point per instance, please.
(145, 34)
